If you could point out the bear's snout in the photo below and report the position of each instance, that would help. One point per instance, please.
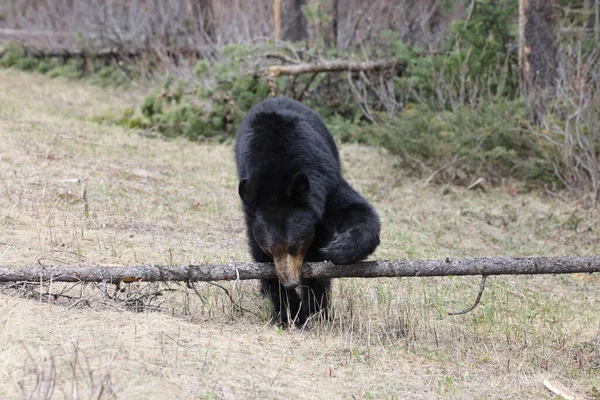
(290, 285)
(288, 269)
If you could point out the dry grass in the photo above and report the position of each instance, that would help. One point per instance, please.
(155, 201)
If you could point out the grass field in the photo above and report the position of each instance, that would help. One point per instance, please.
(154, 201)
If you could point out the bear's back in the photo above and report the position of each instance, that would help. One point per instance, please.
(283, 136)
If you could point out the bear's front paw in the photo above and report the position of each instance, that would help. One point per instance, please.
(342, 250)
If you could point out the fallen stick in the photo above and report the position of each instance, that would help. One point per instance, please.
(334, 66)
(243, 271)
(561, 390)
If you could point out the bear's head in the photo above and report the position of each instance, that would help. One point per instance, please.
(282, 223)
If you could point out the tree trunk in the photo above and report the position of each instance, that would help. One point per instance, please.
(244, 271)
(334, 24)
(204, 16)
(277, 18)
(597, 21)
(537, 50)
(294, 22)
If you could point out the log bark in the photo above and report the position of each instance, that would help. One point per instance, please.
(244, 271)
(335, 66)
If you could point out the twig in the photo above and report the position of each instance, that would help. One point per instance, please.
(440, 169)
(597, 348)
(75, 304)
(170, 95)
(310, 81)
(233, 302)
(363, 106)
(361, 15)
(481, 289)
(193, 286)
(282, 57)
(469, 14)
(478, 183)
(561, 390)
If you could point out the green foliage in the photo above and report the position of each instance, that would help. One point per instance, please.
(319, 18)
(215, 105)
(351, 130)
(104, 75)
(47, 65)
(459, 102)
(444, 117)
(27, 64)
(151, 105)
(126, 118)
(68, 70)
(493, 141)
(483, 38)
(202, 68)
(482, 46)
(12, 55)
(95, 71)
(476, 61)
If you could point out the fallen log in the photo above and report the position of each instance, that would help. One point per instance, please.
(104, 52)
(335, 66)
(67, 53)
(9, 32)
(243, 271)
(75, 52)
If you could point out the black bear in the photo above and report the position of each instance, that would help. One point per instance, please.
(297, 205)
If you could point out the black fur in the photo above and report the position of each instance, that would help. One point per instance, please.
(293, 190)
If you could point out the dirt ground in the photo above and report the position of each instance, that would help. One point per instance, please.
(155, 201)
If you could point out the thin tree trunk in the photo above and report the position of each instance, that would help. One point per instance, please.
(597, 21)
(206, 19)
(245, 271)
(334, 23)
(294, 22)
(537, 51)
(277, 18)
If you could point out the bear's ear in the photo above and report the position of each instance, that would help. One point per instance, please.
(298, 189)
(246, 193)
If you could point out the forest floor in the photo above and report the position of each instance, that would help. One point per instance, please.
(156, 201)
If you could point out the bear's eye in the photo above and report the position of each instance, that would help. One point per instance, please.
(293, 249)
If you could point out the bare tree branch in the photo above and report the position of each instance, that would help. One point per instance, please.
(282, 58)
(245, 271)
